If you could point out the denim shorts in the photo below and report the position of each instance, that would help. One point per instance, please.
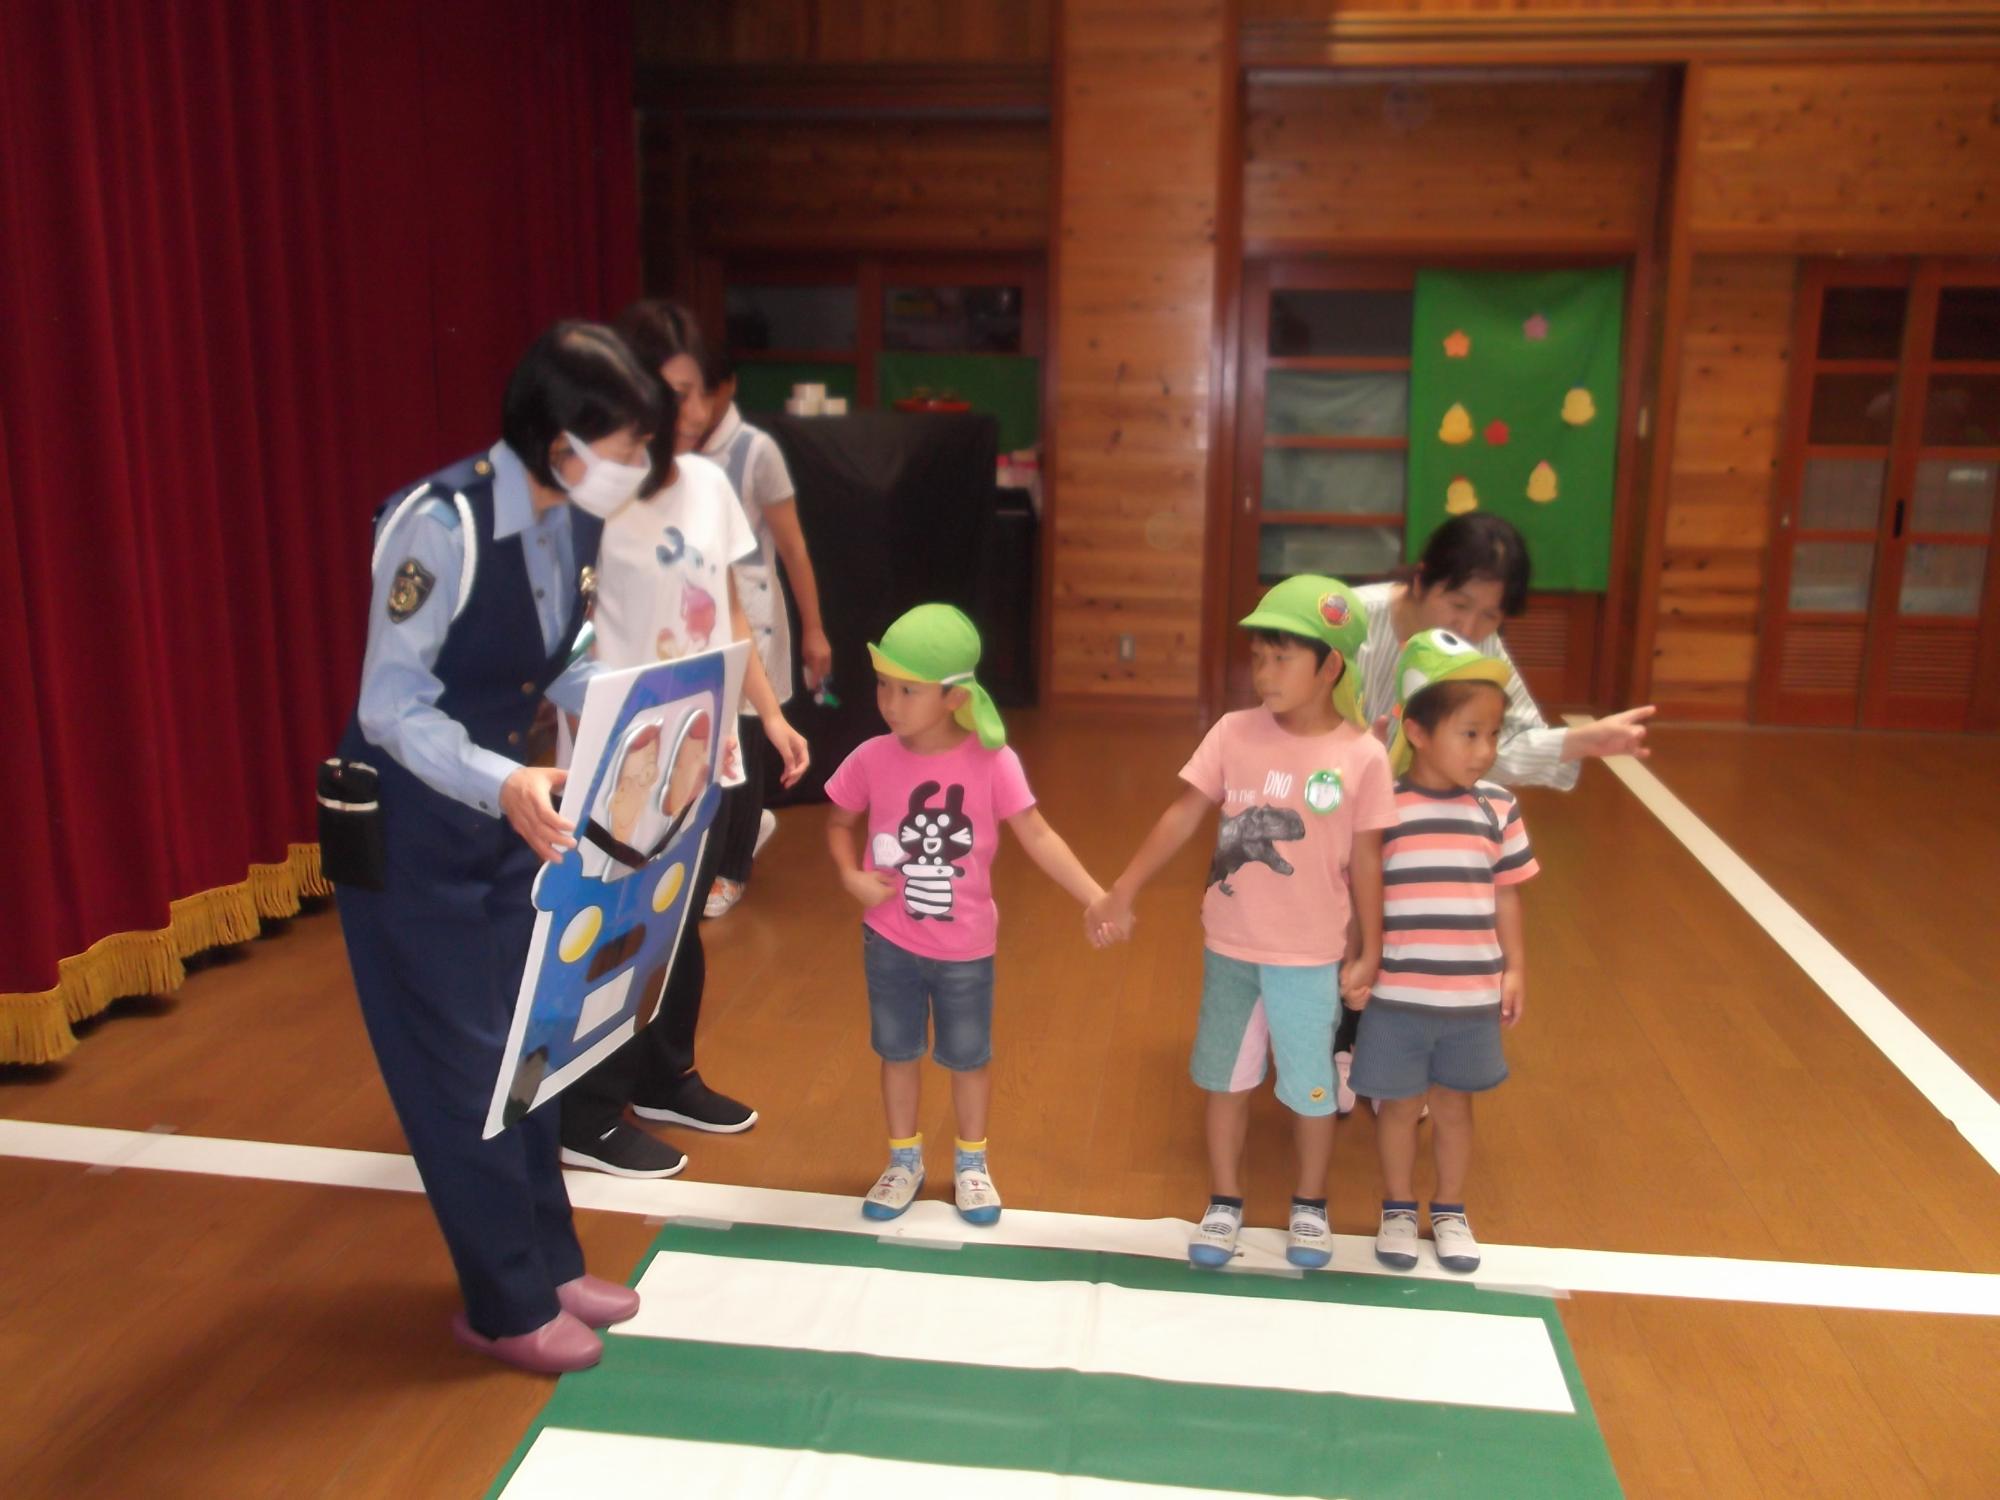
(1285, 1010)
(1404, 1049)
(907, 991)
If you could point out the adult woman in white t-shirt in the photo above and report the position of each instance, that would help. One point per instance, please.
(665, 589)
(1472, 578)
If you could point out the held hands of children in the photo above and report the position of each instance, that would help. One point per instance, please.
(1109, 919)
(1357, 979)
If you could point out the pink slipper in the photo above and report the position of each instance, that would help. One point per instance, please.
(600, 1303)
(558, 1345)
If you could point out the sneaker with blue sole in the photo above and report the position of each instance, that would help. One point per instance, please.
(1311, 1242)
(978, 1200)
(894, 1191)
(1214, 1242)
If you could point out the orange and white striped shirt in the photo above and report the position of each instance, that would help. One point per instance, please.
(1441, 865)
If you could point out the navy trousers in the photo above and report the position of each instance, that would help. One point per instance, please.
(437, 960)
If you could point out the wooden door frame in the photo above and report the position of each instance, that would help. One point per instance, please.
(1924, 278)
(1816, 278)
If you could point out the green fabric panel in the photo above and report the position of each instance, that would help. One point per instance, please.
(1007, 385)
(1526, 382)
(1108, 1426)
(766, 388)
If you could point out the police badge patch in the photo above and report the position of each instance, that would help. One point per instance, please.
(411, 587)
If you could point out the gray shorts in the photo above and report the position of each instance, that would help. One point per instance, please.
(1403, 1050)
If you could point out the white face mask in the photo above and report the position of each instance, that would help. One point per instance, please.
(606, 484)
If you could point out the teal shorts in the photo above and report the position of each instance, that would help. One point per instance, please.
(1285, 1010)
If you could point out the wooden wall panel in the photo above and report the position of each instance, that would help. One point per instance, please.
(865, 185)
(1726, 443)
(676, 32)
(1141, 88)
(1453, 161)
(1832, 156)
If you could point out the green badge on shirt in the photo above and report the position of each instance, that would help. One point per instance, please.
(1323, 791)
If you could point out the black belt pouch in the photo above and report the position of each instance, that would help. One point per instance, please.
(351, 850)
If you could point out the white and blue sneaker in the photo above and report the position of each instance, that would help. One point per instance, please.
(1214, 1242)
(1311, 1242)
(1451, 1236)
(978, 1200)
(894, 1191)
(1396, 1240)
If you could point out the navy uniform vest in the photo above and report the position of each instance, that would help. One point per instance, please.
(494, 664)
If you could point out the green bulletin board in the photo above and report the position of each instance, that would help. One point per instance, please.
(1514, 410)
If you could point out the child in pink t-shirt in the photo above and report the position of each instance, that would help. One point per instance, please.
(934, 793)
(1305, 793)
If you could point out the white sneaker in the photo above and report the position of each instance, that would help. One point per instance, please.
(767, 824)
(1396, 1240)
(1343, 1096)
(721, 897)
(1452, 1237)
(1214, 1242)
(1311, 1242)
(978, 1200)
(894, 1191)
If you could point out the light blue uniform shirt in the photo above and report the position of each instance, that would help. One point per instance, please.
(399, 690)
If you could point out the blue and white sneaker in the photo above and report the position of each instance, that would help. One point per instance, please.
(978, 1200)
(1396, 1240)
(1214, 1242)
(1451, 1236)
(894, 1191)
(1311, 1243)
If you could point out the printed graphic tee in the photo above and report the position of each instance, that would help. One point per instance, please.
(1291, 806)
(934, 823)
(663, 569)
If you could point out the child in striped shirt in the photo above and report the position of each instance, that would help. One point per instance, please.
(1453, 969)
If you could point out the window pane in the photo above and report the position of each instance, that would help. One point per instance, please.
(1841, 494)
(1355, 484)
(1940, 579)
(1370, 324)
(1322, 404)
(952, 319)
(815, 318)
(1953, 496)
(1853, 408)
(1862, 322)
(1832, 575)
(1349, 552)
(1968, 323)
(1963, 411)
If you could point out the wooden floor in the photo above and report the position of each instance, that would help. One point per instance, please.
(1679, 1087)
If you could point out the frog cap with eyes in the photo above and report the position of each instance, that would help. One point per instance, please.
(1428, 658)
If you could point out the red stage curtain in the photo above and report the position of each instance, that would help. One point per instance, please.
(261, 262)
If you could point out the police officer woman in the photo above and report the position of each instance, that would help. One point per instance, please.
(478, 597)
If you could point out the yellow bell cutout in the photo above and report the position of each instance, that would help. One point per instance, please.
(1578, 407)
(1542, 484)
(1459, 496)
(1457, 426)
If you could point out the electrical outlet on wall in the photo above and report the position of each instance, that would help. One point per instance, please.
(1128, 650)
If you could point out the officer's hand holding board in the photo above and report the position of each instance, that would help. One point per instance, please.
(528, 799)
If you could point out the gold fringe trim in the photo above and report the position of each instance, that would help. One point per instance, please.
(35, 1027)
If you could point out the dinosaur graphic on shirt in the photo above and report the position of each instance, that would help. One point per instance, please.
(1252, 837)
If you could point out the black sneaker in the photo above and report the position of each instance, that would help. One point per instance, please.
(626, 1151)
(692, 1102)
